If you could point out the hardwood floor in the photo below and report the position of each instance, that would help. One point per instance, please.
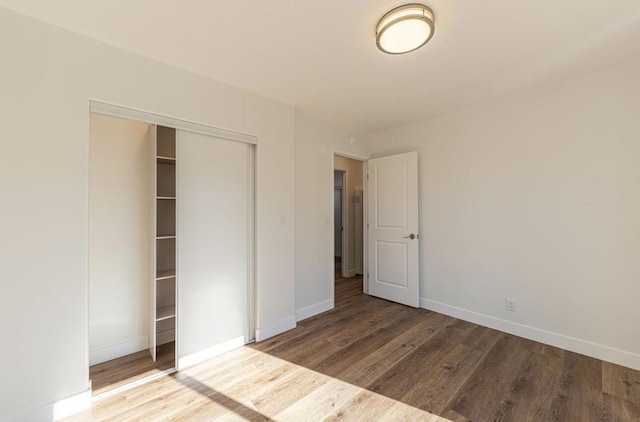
(127, 369)
(373, 360)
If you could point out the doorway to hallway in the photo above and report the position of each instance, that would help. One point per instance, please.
(348, 220)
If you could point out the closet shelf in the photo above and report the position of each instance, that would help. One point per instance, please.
(165, 237)
(164, 274)
(165, 312)
(165, 160)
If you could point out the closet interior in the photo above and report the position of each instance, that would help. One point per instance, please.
(132, 263)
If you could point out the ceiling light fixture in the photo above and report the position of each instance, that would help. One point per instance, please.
(405, 29)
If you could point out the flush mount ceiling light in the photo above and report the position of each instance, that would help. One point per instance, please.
(405, 28)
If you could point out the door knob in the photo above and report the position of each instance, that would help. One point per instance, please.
(411, 236)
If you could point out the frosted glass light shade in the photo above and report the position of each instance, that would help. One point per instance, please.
(405, 28)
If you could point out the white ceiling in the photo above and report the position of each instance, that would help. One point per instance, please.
(321, 56)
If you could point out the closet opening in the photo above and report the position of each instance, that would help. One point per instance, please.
(171, 245)
(132, 253)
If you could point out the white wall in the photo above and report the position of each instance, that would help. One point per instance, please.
(48, 77)
(536, 198)
(315, 141)
(353, 168)
(119, 237)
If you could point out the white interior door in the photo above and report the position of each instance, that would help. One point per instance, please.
(215, 203)
(393, 228)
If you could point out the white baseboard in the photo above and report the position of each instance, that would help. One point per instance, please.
(209, 353)
(52, 411)
(584, 347)
(275, 328)
(118, 350)
(351, 273)
(164, 337)
(71, 405)
(313, 310)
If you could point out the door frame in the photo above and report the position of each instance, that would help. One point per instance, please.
(125, 112)
(344, 241)
(331, 264)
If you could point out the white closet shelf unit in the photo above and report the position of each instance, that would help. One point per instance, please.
(163, 320)
(165, 274)
(165, 160)
(165, 312)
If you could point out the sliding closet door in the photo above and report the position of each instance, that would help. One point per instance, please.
(215, 191)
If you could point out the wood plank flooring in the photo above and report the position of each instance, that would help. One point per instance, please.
(373, 360)
(115, 373)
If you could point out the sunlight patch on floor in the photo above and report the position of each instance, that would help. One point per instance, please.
(283, 391)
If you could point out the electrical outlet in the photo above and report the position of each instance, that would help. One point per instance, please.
(510, 304)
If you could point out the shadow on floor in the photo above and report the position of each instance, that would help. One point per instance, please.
(221, 399)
